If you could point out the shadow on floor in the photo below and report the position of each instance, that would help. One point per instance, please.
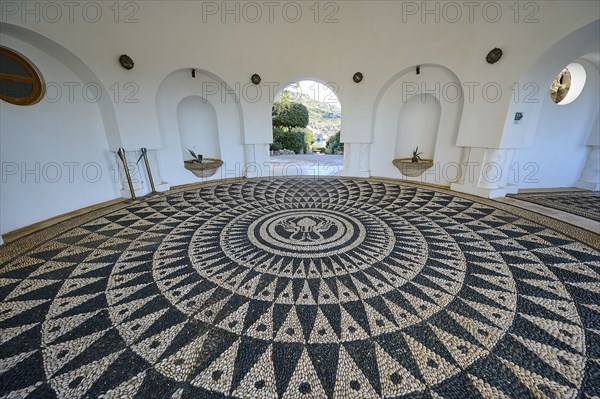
(306, 165)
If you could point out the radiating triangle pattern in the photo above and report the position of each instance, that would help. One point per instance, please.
(305, 381)
(350, 381)
(301, 288)
(219, 373)
(260, 380)
(395, 379)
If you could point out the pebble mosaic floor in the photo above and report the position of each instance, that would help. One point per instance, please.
(581, 203)
(328, 288)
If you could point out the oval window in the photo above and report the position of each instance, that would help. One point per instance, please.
(20, 81)
(568, 85)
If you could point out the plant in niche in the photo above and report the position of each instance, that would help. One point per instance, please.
(413, 166)
(201, 166)
(196, 158)
(416, 156)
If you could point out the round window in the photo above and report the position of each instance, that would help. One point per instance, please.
(568, 84)
(20, 81)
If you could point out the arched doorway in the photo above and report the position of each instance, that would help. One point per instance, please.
(307, 121)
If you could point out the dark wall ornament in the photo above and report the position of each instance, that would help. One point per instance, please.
(358, 77)
(126, 61)
(255, 79)
(494, 55)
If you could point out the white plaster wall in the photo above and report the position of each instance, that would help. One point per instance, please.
(418, 125)
(54, 155)
(530, 92)
(180, 86)
(559, 147)
(594, 138)
(198, 127)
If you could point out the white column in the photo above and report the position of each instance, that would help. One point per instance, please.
(256, 161)
(356, 160)
(486, 172)
(590, 175)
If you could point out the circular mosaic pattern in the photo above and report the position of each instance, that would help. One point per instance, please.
(300, 288)
(312, 233)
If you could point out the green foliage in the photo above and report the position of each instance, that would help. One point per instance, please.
(333, 143)
(293, 140)
(285, 97)
(309, 139)
(416, 157)
(317, 149)
(196, 158)
(289, 115)
(276, 146)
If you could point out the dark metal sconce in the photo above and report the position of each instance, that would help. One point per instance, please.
(494, 55)
(126, 61)
(193, 73)
(255, 79)
(418, 69)
(358, 77)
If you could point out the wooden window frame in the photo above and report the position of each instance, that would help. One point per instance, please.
(35, 78)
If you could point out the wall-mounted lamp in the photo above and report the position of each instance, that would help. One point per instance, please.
(126, 61)
(494, 55)
(358, 77)
(418, 69)
(193, 73)
(255, 79)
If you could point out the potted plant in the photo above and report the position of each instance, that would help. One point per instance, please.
(200, 166)
(414, 166)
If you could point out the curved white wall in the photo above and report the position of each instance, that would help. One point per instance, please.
(55, 154)
(530, 93)
(558, 152)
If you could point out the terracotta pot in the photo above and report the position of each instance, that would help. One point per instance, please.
(207, 168)
(412, 169)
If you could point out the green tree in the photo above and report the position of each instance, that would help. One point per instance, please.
(289, 115)
(293, 140)
(309, 139)
(333, 143)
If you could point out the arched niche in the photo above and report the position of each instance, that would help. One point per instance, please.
(394, 127)
(219, 124)
(198, 127)
(418, 124)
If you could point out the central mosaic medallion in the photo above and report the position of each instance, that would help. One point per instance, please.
(305, 232)
(324, 288)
